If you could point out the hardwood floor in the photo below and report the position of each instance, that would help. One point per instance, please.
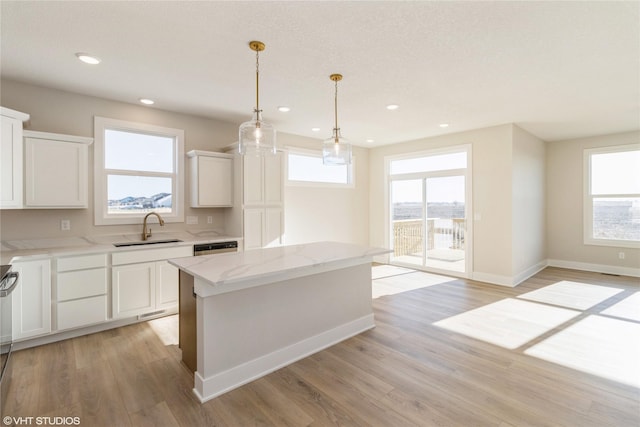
(405, 372)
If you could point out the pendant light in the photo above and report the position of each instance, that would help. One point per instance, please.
(336, 150)
(256, 137)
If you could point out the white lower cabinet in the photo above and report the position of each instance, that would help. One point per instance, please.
(31, 299)
(145, 287)
(134, 289)
(81, 291)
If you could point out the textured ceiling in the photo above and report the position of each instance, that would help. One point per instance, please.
(557, 69)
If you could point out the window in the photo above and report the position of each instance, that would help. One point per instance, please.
(612, 196)
(138, 169)
(305, 167)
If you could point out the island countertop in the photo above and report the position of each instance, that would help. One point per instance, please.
(221, 273)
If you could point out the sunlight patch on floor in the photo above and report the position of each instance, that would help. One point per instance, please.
(509, 323)
(406, 282)
(166, 328)
(628, 308)
(568, 294)
(597, 345)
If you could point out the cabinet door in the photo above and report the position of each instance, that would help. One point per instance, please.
(253, 228)
(10, 163)
(273, 227)
(167, 285)
(56, 173)
(31, 299)
(273, 179)
(253, 184)
(133, 289)
(215, 182)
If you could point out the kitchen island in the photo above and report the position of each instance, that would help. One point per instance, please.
(260, 310)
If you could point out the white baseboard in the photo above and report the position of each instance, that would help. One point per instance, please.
(510, 281)
(208, 388)
(598, 268)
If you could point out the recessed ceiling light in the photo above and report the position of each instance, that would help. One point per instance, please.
(315, 129)
(146, 101)
(370, 140)
(393, 107)
(444, 125)
(284, 109)
(87, 59)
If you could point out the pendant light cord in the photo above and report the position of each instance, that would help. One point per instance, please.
(257, 81)
(336, 111)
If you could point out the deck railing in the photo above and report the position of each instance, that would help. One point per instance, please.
(441, 234)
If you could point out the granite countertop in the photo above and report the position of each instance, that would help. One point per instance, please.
(233, 271)
(14, 250)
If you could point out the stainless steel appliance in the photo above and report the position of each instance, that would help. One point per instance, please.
(187, 323)
(215, 248)
(8, 283)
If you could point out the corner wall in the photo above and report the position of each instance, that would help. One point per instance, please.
(565, 242)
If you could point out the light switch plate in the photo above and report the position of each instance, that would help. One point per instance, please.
(65, 225)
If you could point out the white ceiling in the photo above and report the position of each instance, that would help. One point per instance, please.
(557, 69)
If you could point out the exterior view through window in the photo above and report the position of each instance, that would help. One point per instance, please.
(305, 167)
(612, 196)
(428, 211)
(138, 170)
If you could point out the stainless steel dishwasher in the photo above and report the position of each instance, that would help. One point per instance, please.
(215, 248)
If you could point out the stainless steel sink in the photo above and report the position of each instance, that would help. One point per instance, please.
(146, 242)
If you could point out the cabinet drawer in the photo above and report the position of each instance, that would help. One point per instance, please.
(81, 284)
(146, 255)
(72, 314)
(82, 262)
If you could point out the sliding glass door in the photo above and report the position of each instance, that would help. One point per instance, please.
(428, 212)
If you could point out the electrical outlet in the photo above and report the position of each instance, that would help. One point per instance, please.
(192, 219)
(620, 255)
(65, 225)
(209, 219)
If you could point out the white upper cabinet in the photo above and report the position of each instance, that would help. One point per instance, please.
(11, 158)
(211, 179)
(56, 170)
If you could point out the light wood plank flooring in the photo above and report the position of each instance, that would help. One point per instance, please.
(405, 372)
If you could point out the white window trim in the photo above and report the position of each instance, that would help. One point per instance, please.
(588, 198)
(101, 217)
(468, 172)
(351, 171)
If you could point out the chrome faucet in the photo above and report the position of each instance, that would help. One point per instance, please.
(146, 234)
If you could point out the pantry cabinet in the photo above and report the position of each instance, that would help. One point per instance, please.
(263, 207)
(11, 158)
(31, 299)
(56, 170)
(211, 183)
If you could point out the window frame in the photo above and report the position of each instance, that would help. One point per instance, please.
(589, 197)
(351, 176)
(101, 215)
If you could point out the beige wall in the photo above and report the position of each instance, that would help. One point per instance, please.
(529, 207)
(322, 213)
(564, 192)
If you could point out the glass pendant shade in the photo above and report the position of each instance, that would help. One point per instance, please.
(336, 150)
(256, 137)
